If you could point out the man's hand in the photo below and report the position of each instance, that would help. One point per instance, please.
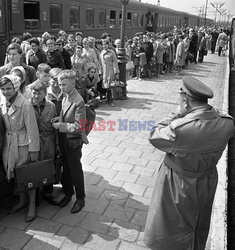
(33, 156)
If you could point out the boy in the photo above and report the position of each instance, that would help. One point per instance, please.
(42, 73)
(72, 137)
(44, 111)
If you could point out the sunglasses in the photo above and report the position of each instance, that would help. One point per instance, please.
(92, 71)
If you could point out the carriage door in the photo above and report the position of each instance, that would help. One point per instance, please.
(155, 24)
(4, 28)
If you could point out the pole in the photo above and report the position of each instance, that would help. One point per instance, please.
(121, 53)
(205, 12)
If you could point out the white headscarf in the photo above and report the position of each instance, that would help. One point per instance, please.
(15, 80)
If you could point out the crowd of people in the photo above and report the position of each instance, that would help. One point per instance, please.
(46, 81)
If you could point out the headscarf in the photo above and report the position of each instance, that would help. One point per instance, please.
(15, 80)
(22, 70)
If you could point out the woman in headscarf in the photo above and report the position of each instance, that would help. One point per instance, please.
(22, 136)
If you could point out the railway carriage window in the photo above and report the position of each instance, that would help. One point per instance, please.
(90, 18)
(135, 20)
(112, 19)
(102, 18)
(141, 20)
(129, 19)
(120, 19)
(74, 17)
(56, 16)
(31, 15)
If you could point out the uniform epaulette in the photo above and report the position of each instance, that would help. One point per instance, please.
(180, 122)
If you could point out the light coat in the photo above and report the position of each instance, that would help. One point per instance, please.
(22, 134)
(180, 209)
(110, 67)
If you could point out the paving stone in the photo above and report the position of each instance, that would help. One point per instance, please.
(119, 212)
(43, 227)
(68, 245)
(78, 235)
(143, 171)
(16, 221)
(102, 163)
(140, 218)
(64, 216)
(93, 191)
(126, 245)
(106, 173)
(112, 149)
(41, 242)
(104, 155)
(124, 230)
(128, 145)
(134, 189)
(114, 197)
(111, 184)
(122, 176)
(89, 168)
(96, 223)
(146, 180)
(109, 142)
(64, 231)
(95, 206)
(153, 165)
(151, 156)
(92, 179)
(137, 161)
(46, 211)
(148, 193)
(13, 239)
(125, 167)
(138, 202)
(100, 241)
(133, 153)
(118, 157)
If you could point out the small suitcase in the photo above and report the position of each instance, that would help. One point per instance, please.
(35, 174)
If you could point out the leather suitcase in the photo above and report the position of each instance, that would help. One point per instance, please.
(35, 174)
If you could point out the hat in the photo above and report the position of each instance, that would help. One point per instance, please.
(15, 80)
(196, 89)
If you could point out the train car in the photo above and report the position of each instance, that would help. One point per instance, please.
(91, 17)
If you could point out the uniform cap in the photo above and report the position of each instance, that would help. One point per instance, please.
(196, 89)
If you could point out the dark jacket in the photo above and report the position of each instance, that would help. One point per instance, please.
(67, 61)
(55, 59)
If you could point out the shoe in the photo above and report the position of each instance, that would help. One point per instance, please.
(64, 202)
(16, 209)
(51, 200)
(30, 218)
(78, 206)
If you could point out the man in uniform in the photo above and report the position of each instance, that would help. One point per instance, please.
(194, 139)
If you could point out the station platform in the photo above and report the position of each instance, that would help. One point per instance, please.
(120, 171)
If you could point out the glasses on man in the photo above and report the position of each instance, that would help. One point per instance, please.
(92, 71)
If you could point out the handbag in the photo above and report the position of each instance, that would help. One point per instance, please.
(36, 174)
(129, 65)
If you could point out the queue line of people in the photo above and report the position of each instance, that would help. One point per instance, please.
(43, 95)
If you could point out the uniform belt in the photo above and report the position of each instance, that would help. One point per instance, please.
(177, 169)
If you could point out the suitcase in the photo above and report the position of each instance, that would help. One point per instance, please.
(35, 174)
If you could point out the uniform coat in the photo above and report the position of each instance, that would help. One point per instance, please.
(180, 54)
(22, 134)
(180, 209)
